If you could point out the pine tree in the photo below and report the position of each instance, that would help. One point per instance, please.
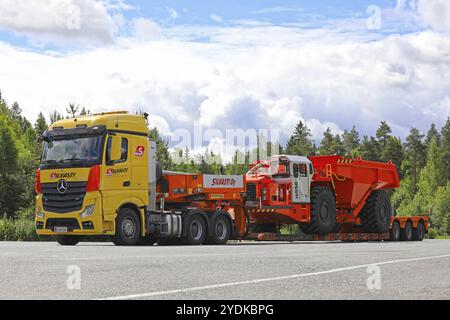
(72, 110)
(445, 147)
(383, 133)
(369, 149)
(393, 151)
(350, 140)
(432, 133)
(55, 116)
(326, 145)
(300, 141)
(415, 153)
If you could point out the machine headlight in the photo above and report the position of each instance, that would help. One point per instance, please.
(39, 213)
(88, 211)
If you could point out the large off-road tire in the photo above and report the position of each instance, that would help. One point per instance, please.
(128, 228)
(323, 212)
(221, 230)
(195, 230)
(395, 232)
(407, 232)
(67, 240)
(376, 214)
(419, 232)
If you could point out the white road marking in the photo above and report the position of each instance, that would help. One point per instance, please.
(294, 276)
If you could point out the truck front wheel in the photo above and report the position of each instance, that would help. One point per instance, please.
(195, 230)
(323, 212)
(128, 228)
(67, 240)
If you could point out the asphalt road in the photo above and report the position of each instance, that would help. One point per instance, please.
(300, 270)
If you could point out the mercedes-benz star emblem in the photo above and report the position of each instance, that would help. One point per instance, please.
(61, 186)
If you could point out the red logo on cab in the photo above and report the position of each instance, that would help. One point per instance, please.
(139, 151)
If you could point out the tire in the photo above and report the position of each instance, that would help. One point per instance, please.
(128, 228)
(195, 230)
(407, 232)
(376, 214)
(419, 232)
(67, 240)
(169, 242)
(221, 230)
(323, 212)
(395, 231)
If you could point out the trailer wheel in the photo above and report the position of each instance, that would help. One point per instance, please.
(323, 212)
(376, 214)
(67, 240)
(195, 230)
(419, 232)
(407, 232)
(395, 231)
(128, 228)
(221, 230)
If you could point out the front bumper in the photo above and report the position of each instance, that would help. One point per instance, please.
(49, 223)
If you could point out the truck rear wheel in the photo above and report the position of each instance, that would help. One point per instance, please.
(407, 232)
(376, 214)
(395, 231)
(128, 228)
(221, 230)
(195, 230)
(323, 212)
(419, 232)
(67, 240)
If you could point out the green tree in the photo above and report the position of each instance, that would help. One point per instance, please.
(55, 116)
(441, 210)
(300, 141)
(162, 149)
(393, 151)
(445, 147)
(415, 153)
(351, 141)
(369, 149)
(432, 133)
(73, 110)
(383, 133)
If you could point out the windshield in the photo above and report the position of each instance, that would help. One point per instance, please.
(68, 150)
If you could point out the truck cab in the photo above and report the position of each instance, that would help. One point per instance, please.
(91, 167)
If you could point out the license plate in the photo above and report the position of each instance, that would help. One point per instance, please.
(60, 229)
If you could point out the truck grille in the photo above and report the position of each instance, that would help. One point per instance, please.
(69, 201)
(251, 191)
(71, 224)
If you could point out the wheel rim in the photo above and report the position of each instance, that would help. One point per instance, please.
(196, 230)
(396, 231)
(221, 230)
(128, 227)
(324, 211)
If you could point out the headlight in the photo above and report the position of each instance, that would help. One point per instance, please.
(39, 213)
(88, 211)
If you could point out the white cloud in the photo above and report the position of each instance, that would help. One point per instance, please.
(172, 13)
(60, 21)
(435, 14)
(278, 9)
(259, 77)
(216, 18)
(146, 29)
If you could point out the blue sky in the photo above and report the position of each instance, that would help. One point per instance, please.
(233, 64)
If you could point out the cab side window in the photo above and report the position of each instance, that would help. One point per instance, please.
(303, 171)
(295, 169)
(124, 156)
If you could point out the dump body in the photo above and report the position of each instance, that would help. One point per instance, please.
(353, 180)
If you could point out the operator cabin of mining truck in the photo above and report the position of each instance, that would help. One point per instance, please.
(291, 176)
